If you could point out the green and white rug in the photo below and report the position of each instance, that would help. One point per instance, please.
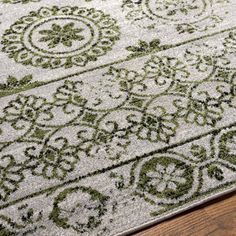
(114, 114)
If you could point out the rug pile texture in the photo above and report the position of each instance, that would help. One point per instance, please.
(114, 114)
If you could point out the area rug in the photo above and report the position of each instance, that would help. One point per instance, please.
(114, 115)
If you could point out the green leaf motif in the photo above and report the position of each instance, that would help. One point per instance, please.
(199, 152)
(145, 47)
(215, 172)
(13, 83)
(5, 232)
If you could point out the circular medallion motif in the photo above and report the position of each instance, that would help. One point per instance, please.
(60, 37)
(150, 13)
(85, 211)
(167, 178)
(174, 10)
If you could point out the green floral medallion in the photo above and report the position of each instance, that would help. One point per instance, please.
(186, 15)
(167, 178)
(60, 37)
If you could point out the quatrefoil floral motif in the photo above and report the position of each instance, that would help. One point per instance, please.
(27, 108)
(52, 162)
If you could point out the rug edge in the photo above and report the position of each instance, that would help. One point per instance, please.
(178, 211)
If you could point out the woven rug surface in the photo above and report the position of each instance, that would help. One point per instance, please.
(114, 114)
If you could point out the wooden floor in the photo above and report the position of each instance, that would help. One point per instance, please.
(217, 218)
